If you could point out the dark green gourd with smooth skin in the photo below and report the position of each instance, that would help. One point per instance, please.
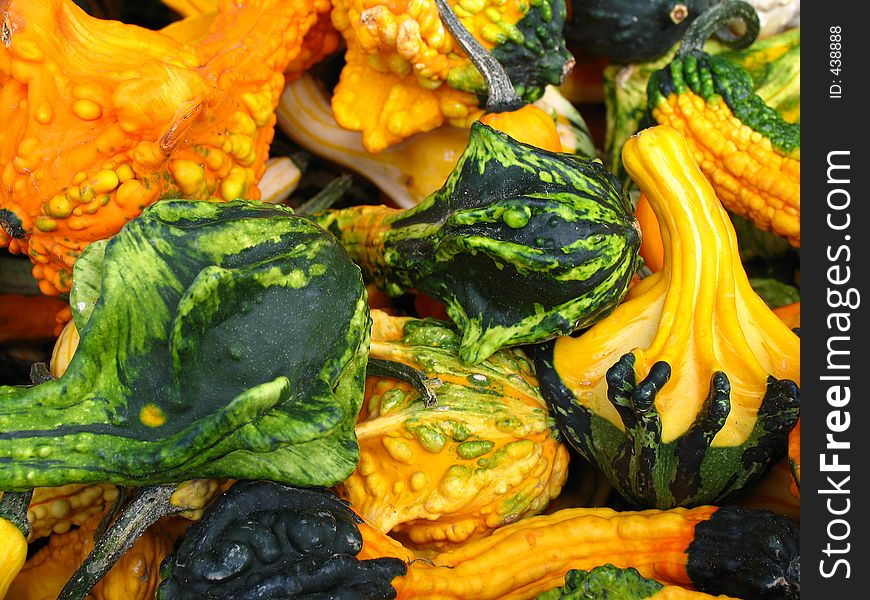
(630, 31)
(217, 340)
(267, 541)
(521, 244)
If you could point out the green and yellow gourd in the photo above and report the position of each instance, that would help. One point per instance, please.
(521, 244)
(266, 540)
(176, 313)
(772, 63)
(486, 454)
(750, 153)
(687, 391)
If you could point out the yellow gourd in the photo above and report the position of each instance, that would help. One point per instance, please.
(692, 366)
(485, 455)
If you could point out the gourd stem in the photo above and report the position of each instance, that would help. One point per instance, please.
(325, 198)
(424, 385)
(111, 513)
(13, 508)
(502, 97)
(714, 19)
(151, 504)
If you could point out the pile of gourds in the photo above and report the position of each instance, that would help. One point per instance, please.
(521, 371)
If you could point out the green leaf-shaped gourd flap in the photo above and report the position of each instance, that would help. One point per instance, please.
(521, 244)
(229, 340)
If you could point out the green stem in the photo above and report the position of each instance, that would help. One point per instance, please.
(325, 198)
(151, 504)
(13, 508)
(714, 19)
(423, 384)
(502, 97)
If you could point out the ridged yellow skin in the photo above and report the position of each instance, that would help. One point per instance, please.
(531, 556)
(13, 552)
(134, 577)
(749, 176)
(397, 63)
(698, 313)
(428, 488)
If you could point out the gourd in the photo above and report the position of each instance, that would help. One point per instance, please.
(235, 549)
(135, 116)
(745, 147)
(14, 530)
(776, 15)
(505, 110)
(404, 74)
(736, 551)
(520, 244)
(790, 314)
(608, 581)
(630, 31)
(486, 454)
(28, 318)
(175, 314)
(685, 393)
(409, 171)
(134, 577)
(261, 539)
(774, 491)
(57, 510)
(772, 63)
(320, 40)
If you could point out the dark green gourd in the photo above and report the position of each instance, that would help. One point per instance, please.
(268, 541)
(521, 244)
(217, 340)
(630, 31)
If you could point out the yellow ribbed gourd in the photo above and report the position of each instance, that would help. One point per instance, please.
(687, 391)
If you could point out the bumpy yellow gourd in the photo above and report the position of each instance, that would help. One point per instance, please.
(485, 455)
(57, 510)
(134, 577)
(404, 73)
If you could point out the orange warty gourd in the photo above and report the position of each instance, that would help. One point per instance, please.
(706, 548)
(103, 118)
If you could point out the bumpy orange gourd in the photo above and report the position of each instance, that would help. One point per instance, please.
(103, 118)
(485, 455)
(58, 509)
(134, 577)
(531, 556)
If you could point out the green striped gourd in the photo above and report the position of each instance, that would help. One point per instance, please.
(207, 350)
(521, 244)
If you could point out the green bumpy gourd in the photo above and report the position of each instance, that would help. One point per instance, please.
(533, 51)
(217, 340)
(521, 244)
(606, 581)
